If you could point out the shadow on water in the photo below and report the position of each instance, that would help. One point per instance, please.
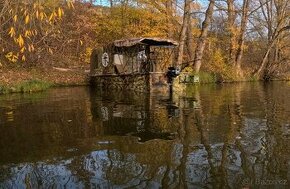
(212, 136)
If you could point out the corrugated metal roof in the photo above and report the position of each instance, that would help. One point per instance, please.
(148, 41)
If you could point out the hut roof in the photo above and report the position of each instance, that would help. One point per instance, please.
(147, 41)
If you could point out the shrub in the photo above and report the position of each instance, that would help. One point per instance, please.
(205, 77)
(4, 89)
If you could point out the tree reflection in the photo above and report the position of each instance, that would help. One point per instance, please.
(219, 137)
(265, 152)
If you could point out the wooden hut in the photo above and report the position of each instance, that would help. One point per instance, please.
(139, 64)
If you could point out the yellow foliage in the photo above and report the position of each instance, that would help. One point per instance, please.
(37, 14)
(28, 33)
(135, 22)
(70, 4)
(12, 32)
(51, 17)
(27, 19)
(30, 48)
(217, 64)
(12, 57)
(188, 69)
(22, 49)
(218, 59)
(20, 41)
(23, 58)
(87, 54)
(60, 12)
(34, 20)
(42, 15)
(8, 55)
(15, 18)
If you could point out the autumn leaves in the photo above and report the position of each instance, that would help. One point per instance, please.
(26, 24)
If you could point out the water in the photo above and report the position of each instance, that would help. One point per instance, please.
(215, 136)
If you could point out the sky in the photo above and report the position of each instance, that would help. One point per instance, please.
(106, 2)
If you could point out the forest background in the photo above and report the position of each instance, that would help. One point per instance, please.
(226, 40)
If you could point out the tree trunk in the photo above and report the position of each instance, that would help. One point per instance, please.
(189, 41)
(241, 41)
(169, 16)
(264, 60)
(231, 30)
(202, 38)
(270, 46)
(182, 35)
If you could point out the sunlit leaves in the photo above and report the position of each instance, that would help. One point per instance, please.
(28, 33)
(15, 18)
(23, 58)
(20, 41)
(37, 14)
(25, 24)
(135, 22)
(12, 57)
(11, 32)
(60, 12)
(22, 49)
(26, 19)
(42, 16)
(8, 55)
(51, 17)
(30, 48)
(70, 3)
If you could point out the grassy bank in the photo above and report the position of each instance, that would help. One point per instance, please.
(27, 80)
(25, 87)
(228, 75)
(225, 76)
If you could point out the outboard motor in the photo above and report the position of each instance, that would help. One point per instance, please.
(172, 73)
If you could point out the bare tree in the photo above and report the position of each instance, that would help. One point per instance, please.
(182, 35)
(199, 51)
(276, 16)
(231, 30)
(241, 37)
(189, 41)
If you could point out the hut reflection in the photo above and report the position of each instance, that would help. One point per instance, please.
(132, 114)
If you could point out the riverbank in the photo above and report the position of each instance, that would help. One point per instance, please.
(17, 79)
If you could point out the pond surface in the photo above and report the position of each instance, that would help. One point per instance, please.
(214, 136)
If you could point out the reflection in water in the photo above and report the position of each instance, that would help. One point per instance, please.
(229, 136)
